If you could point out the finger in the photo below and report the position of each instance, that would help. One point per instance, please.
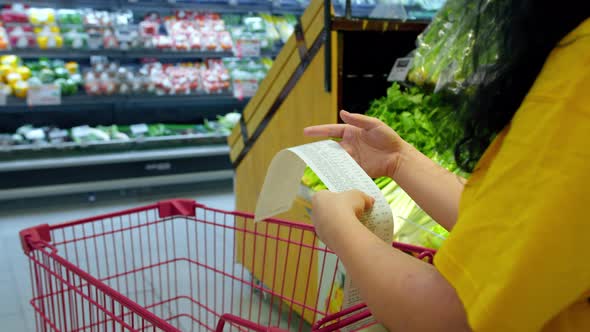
(359, 120)
(327, 130)
(317, 195)
(365, 203)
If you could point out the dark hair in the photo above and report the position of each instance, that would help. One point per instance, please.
(527, 30)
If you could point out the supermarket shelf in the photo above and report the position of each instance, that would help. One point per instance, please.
(70, 149)
(15, 104)
(130, 109)
(95, 171)
(115, 158)
(70, 54)
(164, 6)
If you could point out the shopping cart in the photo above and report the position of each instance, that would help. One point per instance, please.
(180, 266)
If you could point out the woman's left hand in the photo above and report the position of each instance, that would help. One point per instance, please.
(332, 212)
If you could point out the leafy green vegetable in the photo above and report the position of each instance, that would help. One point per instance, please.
(423, 120)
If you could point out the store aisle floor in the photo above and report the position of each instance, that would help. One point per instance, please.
(16, 314)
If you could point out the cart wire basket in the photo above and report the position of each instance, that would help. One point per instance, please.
(180, 266)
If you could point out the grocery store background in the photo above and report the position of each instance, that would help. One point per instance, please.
(108, 105)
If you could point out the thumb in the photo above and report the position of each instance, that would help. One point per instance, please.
(361, 202)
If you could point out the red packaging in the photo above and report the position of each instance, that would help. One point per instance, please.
(19, 28)
(22, 40)
(149, 28)
(15, 14)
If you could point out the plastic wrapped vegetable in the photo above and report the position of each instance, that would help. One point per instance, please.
(444, 53)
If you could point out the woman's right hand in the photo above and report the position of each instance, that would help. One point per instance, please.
(374, 145)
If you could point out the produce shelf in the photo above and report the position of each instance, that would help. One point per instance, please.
(141, 6)
(129, 109)
(83, 154)
(90, 171)
(225, 100)
(71, 54)
(17, 153)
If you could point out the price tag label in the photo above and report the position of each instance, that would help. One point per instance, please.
(139, 129)
(158, 167)
(247, 48)
(44, 94)
(245, 88)
(400, 70)
(2, 99)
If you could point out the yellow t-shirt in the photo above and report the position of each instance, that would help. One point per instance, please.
(519, 254)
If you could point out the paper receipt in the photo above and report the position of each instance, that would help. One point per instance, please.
(339, 172)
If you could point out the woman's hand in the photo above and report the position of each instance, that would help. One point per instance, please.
(332, 213)
(373, 144)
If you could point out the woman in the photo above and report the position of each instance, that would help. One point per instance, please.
(517, 255)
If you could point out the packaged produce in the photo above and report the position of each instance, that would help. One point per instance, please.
(21, 36)
(46, 75)
(127, 37)
(97, 18)
(69, 17)
(75, 39)
(4, 71)
(215, 77)
(270, 28)
(48, 40)
(13, 77)
(67, 86)
(20, 89)
(285, 26)
(443, 57)
(24, 72)
(109, 40)
(87, 134)
(122, 18)
(46, 29)
(42, 16)
(15, 13)
(163, 42)
(10, 60)
(246, 44)
(72, 67)
(246, 75)
(34, 81)
(113, 132)
(4, 41)
(57, 135)
(149, 28)
(95, 38)
(254, 24)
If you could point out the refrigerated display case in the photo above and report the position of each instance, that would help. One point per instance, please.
(138, 63)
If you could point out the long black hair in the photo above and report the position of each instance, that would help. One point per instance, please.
(528, 32)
